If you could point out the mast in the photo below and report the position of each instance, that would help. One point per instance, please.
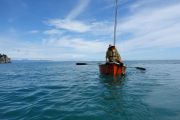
(115, 22)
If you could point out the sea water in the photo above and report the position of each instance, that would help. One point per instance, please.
(40, 90)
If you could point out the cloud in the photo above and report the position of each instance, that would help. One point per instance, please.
(150, 30)
(78, 9)
(111, 4)
(77, 45)
(54, 48)
(53, 32)
(17, 48)
(95, 28)
(158, 28)
(33, 31)
(71, 25)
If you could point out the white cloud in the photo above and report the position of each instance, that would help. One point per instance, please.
(158, 28)
(53, 32)
(54, 48)
(151, 29)
(17, 48)
(82, 4)
(71, 25)
(102, 28)
(33, 31)
(95, 28)
(78, 45)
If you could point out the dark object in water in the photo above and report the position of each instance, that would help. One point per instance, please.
(140, 68)
(81, 63)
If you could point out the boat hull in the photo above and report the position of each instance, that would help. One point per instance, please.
(112, 69)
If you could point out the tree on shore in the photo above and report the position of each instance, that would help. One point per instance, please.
(4, 58)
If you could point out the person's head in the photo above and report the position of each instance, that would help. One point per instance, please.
(111, 47)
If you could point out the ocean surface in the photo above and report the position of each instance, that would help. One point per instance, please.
(45, 90)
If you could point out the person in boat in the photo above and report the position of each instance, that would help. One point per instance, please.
(112, 55)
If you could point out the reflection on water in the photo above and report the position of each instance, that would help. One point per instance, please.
(112, 97)
(120, 101)
(112, 80)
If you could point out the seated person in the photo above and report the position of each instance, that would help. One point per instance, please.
(112, 55)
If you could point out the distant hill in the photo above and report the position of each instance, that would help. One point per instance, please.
(4, 59)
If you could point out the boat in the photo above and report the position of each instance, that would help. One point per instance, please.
(113, 68)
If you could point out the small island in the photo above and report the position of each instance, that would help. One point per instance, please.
(4, 59)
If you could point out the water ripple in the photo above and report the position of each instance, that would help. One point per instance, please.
(64, 91)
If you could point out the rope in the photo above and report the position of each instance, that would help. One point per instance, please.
(115, 22)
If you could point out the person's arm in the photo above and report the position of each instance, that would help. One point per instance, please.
(119, 57)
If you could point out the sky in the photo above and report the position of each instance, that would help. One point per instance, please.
(80, 30)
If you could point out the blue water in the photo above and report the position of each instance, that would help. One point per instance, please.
(63, 91)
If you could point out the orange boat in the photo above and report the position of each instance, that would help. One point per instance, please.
(113, 68)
